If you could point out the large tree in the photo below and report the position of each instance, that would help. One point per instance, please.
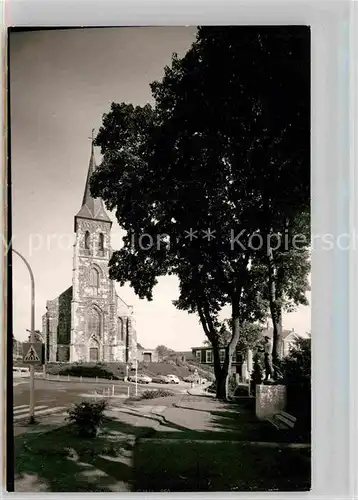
(221, 156)
(163, 351)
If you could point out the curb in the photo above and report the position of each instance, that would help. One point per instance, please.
(262, 444)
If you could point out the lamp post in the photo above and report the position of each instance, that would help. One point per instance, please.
(32, 368)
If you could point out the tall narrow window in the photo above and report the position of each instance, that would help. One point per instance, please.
(120, 329)
(94, 323)
(87, 240)
(94, 281)
(101, 243)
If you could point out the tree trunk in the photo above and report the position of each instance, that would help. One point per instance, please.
(220, 374)
(222, 385)
(276, 312)
(276, 315)
(277, 334)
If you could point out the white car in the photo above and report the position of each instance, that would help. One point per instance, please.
(173, 379)
(20, 372)
(141, 379)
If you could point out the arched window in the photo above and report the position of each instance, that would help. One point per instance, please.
(101, 243)
(87, 240)
(94, 281)
(120, 329)
(94, 324)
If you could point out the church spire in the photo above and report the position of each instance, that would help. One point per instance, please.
(92, 208)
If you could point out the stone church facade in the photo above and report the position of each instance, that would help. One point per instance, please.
(89, 322)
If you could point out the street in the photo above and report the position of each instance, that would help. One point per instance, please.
(55, 396)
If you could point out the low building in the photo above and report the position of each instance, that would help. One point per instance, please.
(242, 365)
(182, 356)
(147, 355)
(288, 339)
(204, 356)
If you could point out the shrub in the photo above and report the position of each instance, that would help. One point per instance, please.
(296, 369)
(88, 370)
(212, 388)
(257, 372)
(296, 366)
(159, 393)
(241, 391)
(87, 417)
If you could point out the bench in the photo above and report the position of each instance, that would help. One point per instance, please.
(283, 420)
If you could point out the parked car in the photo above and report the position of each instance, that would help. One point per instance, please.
(173, 379)
(141, 379)
(20, 371)
(161, 379)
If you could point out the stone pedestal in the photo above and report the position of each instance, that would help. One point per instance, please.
(270, 399)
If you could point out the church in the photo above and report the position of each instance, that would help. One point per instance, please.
(89, 322)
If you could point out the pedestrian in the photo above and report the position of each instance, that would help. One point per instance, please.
(268, 358)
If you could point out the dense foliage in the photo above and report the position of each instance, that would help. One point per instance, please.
(87, 417)
(89, 370)
(158, 393)
(297, 365)
(297, 373)
(221, 161)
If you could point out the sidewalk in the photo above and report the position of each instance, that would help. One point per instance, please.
(200, 390)
(179, 435)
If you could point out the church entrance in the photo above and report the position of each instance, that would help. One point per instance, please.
(93, 354)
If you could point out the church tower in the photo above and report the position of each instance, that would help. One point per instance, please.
(101, 323)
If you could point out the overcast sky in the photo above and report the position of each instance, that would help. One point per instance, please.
(61, 84)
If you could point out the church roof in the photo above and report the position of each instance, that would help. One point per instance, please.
(92, 208)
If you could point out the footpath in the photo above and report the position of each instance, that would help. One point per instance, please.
(166, 444)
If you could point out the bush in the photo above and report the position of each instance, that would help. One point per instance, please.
(88, 370)
(296, 369)
(241, 391)
(159, 393)
(257, 372)
(87, 417)
(212, 388)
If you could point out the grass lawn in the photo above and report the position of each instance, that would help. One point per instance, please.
(219, 467)
(60, 461)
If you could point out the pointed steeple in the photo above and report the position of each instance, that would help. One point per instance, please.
(92, 208)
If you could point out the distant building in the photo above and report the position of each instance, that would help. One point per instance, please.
(204, 356)
(183, 355)
(242, 364)
(288, 339)
(89, 321)
(147, 355)
(17, 349)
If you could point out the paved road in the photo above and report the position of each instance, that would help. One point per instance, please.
(56, 396)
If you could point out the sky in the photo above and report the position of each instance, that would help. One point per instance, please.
(61, 83)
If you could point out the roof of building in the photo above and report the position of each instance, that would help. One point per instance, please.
(92, 208)
(141, 348)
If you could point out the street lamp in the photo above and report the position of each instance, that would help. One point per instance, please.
(32, 367)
